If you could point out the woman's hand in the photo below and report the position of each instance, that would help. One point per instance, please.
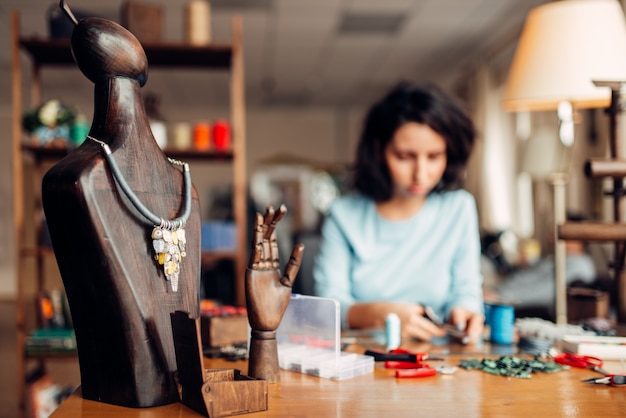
(412, 320)
(470, 322)
(416, 325)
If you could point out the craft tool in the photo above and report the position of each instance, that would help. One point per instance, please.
(401, 355)
(609, 379)
(581, 361)
(451, 330)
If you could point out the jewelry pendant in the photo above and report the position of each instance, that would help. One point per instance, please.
(169, 250)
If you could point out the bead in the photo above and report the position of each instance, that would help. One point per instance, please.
(181, 235)
(512, 366)
(157, 233)
(159, 245)
(170, 267)
(174, 281)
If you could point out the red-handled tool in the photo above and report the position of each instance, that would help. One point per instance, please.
(578, 360)
(424, 371)
(400, 355)
(390, 364)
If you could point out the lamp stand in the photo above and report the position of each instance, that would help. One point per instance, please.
(559, 181)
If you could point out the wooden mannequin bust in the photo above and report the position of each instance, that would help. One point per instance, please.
(118, 294)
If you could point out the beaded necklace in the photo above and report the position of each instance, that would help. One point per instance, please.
(168, 236)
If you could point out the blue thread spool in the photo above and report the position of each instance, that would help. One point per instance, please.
(501, 322)
(392, 331)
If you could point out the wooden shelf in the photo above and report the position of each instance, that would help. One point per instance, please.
(41, 154)
(210, 258)
(52, 153)
(167, 55)
(37, 252)
(200, 155)
(51, 354)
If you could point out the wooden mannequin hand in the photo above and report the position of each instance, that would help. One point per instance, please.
(267, 292)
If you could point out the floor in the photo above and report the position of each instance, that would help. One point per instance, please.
(64, 372)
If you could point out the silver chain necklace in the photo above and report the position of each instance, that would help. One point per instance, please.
(168, 236)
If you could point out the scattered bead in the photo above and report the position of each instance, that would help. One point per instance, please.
(512, 366)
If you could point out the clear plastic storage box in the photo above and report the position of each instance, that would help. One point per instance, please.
(309, 341)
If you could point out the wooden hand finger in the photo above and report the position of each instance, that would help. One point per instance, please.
(293, 266)
(255, 257)
(260, 240)
(258, 229)
(271, 225)
(267, 252)
(257, 243)
(274, 255)
(267, 219)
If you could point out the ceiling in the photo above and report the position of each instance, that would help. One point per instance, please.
(312, 52)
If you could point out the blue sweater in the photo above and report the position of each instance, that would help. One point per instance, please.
(432, 258)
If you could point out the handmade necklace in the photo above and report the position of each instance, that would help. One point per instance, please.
(168, 236)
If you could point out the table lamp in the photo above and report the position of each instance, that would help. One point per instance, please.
(567, 53)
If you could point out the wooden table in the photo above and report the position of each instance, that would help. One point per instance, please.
(465, 394)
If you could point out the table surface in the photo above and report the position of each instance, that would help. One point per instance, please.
(464, 393)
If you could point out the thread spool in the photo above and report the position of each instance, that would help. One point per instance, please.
(198, 22)
(221, 135)
(79, 130)
(202, 136)
(181, 137)
(535, 346)
(159, 132)
(392, 331)
(502, 323)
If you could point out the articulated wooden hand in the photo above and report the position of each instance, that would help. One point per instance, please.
(268, 293)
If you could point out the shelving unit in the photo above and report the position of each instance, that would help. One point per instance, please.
(57, 53)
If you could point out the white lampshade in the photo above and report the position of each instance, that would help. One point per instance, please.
(564, 47)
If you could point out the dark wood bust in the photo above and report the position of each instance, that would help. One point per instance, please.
(119, 298)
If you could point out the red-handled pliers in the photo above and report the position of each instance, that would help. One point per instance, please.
(409, 369)
(418, 363)
(422, 371)
(400, 355)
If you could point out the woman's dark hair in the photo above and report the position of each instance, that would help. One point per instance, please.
(424, 104)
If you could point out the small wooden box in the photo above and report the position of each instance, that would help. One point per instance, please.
(143, 20)
(584, 303)
(220, 331)
(211, 392)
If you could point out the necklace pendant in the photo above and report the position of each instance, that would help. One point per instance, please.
(169, 250)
